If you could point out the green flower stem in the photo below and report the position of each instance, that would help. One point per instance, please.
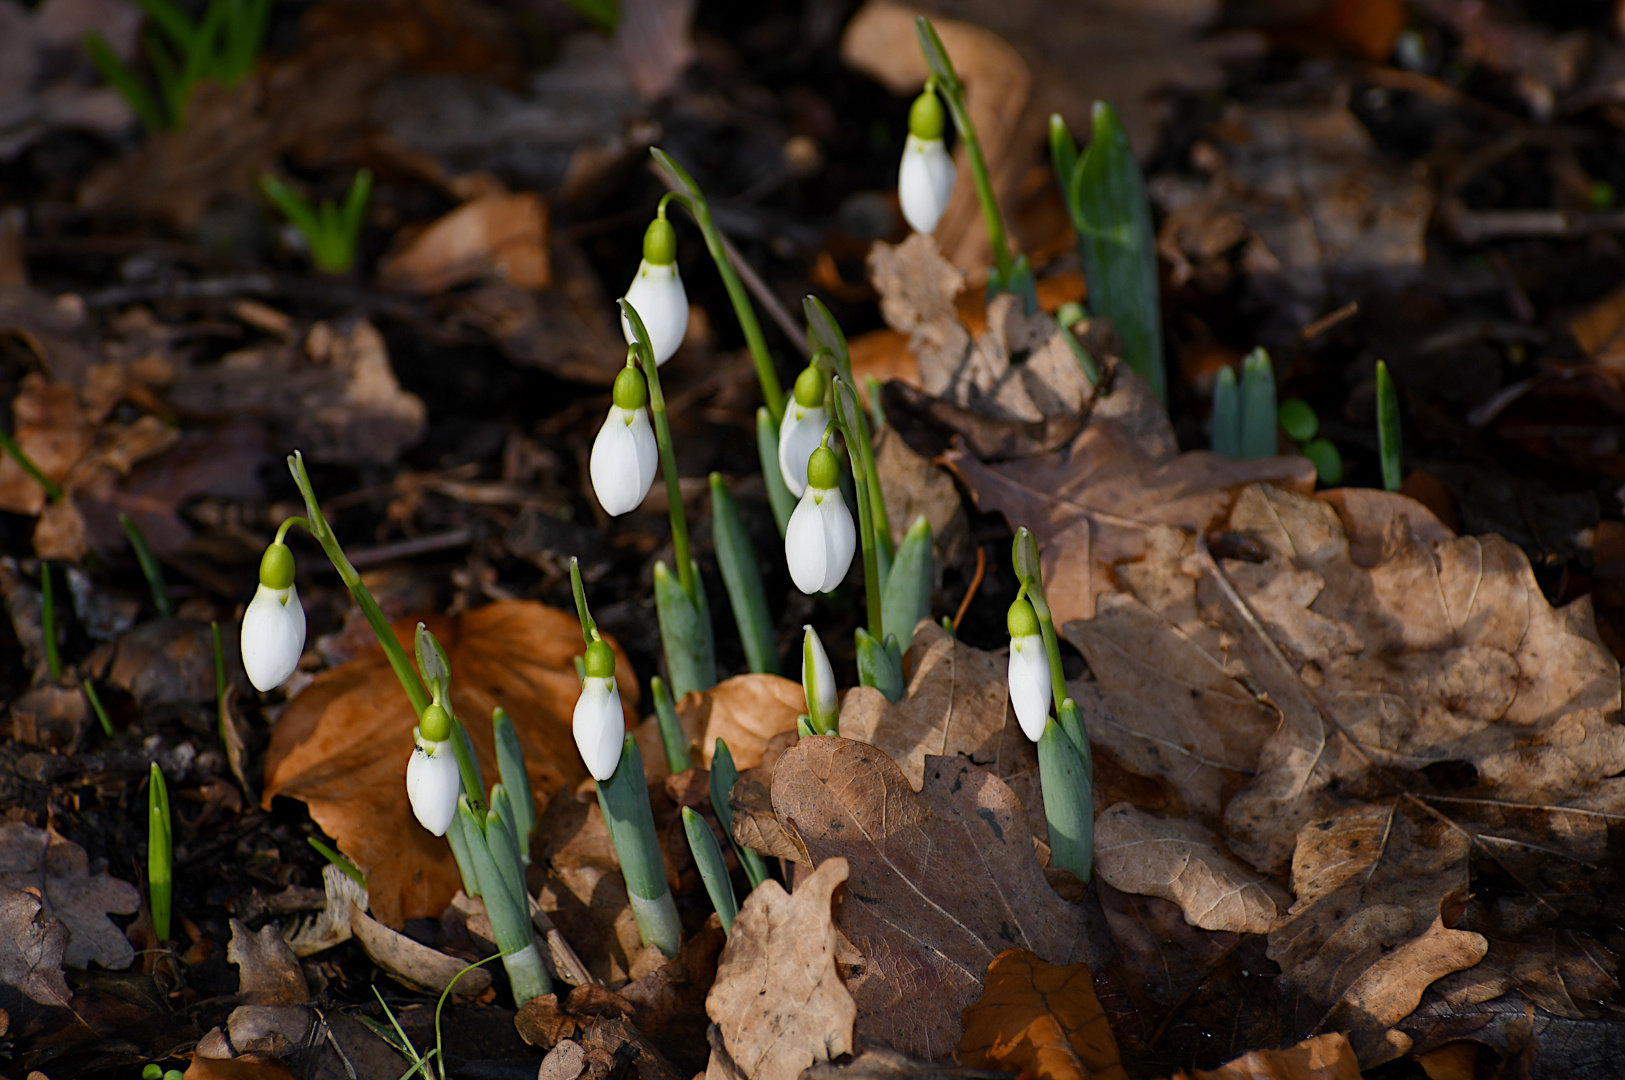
(668, 457)
(96, 704)
(506, 902)
(846, 411)
(53, 490)
(823, 328)
(672, 736)
(1068, 801)
(723, 777)
(767, 449)
(53, 655)
(149, 566)
(160, 853)
(398, 660)
(511, 767)
(624, 799)
(743, 578)
(713, 871)
(693, 200)
(579, 591)
(947, 81)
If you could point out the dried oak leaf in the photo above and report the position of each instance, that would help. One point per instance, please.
(957, 703)
(1091, 504)
(268, 971)
(940, 880)
(496, 232)
(1562, 972)
(343, 743)
(1322, 1057)
(1041, 1020)
(778, 998)
(747, 711)
(57, 871)
(31, 948)
(1183, 862)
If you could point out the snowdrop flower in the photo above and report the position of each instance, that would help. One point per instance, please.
(818, 681)
(273, 633)
(624, 455)
(821, 538)
(802, 429)
(657, 292)
(1030, 688)
(926, 175)
(598, 724)
(433, 781)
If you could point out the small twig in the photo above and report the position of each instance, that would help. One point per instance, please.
(975, 583)
(1326, 322)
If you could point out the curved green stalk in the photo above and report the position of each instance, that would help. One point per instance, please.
(850, 418)
(827, 333)
(693, 200)
(668, 457)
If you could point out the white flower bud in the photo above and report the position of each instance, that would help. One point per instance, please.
(800, 433)
(924, 180)
(599, 726)
(273, 636)
(624, 460)
(820, 540)
(1030, 687)
(657, 295)
(433, 784)
(817, 678)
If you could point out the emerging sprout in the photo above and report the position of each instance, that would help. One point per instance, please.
(657, 292)
(599, 724)
(821, 539)
(926, 175)
(818, 682)
(274, 625)
(624, 455)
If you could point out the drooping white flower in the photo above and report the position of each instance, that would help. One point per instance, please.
(433, 781)
(925, 177)
(820, 540)
(656, 293)
(1029, 680)
(625, 457)
(802, 429)
(818, 680)
(598, 724)
(273, 634)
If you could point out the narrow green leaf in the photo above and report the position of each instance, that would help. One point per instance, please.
(880, 665)
(742, 577)
(1258, 413)
(1226, 414)
(685, 633)
(1068, 802)
(713, 870)
(338, 859)
(160, 852)
(767, 449)
(1112, 215)
(150, 569)
(825, 333)
(907, 596)
(123, 80)
(672, 736)
(1063, 152)
(724, 775)
(511, 768)
(624, 799)
(1388, 437)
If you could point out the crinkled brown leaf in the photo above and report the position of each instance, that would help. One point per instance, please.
(1561, 971)
(53, 431)
(778, 998)
(1183, 862)
(941, 881)
(1041, 1020)
(957, 703)
(914, 486)
(414, 964)
(58, 872)
(31, 948)
(497, 232)
(268, 971)
(746, 711)
(342, 745)
(1322, 1057)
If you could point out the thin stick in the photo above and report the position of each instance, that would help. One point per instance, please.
(975, 583)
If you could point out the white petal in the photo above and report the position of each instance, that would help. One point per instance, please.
(657, 295)
(1030, 688)
(624, 459)
(823, 676)
(273, 636)
(433, 784)
(799, 435)
(925, 178)
(804, 547)
(599, 727)
(840, 534)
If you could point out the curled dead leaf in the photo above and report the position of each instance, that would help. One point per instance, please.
(1321, 1057)
(497, 232)
(747, 711)
(1041, 1020)
(415, 965)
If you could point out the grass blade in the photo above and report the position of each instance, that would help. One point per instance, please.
(1388, 438)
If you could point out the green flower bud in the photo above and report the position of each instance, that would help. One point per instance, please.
(1022, 621)
(810, 386)
(926, 118)
(435, 723)
(823, 469)
(600, 660)
(276, 567)
(660, 243)
(630, 390)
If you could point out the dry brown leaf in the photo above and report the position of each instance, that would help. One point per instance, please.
(1562, 972)
(1091, 504)
(247, 1067)
(500, 233)
(53, 431)
(747, 711)
(914, 486)
(413, 964)
(268, 971)
(940, 881)
(779, 999)
(57, 871)
(31, 948)
(1183, 862)
(957, 703)
(1322, 1057)
(1041, 1020)
(342, 745)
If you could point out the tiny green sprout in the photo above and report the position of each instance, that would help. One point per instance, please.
(330, 230)
(160, 853)
(337, 858)
(1388, 438)
(150, 569)
(96, 704)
